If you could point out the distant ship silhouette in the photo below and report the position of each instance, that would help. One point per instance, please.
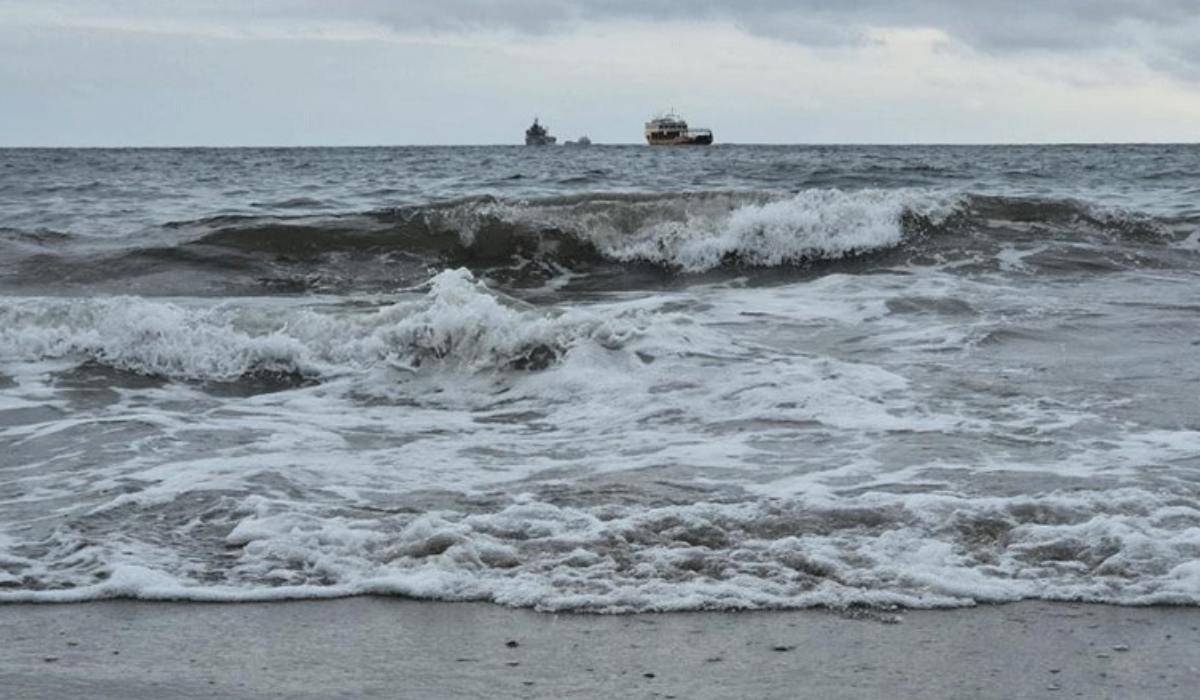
(537, 135)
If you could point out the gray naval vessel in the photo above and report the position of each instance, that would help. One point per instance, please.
(537, 135)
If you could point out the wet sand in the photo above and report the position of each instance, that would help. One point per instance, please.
(382, 647)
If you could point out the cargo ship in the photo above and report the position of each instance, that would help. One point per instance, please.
(672, 130)
(537, 135)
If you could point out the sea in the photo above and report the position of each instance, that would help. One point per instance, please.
(606, 379)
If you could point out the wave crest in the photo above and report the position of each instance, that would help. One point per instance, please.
(464, 323)
(691, 232)
(459, 323)
(655, 236)
(811, 225)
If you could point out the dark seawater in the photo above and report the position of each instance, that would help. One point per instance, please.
(603, 379)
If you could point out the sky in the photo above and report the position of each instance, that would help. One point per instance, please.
(383, 72)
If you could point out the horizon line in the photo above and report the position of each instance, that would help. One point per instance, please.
(810, 144)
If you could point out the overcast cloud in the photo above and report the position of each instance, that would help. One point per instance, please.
(1155, 27)
(984, 62)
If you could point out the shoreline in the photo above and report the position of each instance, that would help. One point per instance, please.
(396, 647)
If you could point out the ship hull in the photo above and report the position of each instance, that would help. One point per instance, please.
(702, 139)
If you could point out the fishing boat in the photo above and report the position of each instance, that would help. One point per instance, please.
(670, 129)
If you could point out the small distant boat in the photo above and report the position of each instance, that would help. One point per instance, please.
(537, 135)
(583, 141)
(671, 129)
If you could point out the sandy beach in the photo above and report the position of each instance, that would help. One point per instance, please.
(378, 647)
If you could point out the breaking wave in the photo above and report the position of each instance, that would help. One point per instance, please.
(703, 232)
(459, 322)
(686, 233)
(689, 232)
(660, 236)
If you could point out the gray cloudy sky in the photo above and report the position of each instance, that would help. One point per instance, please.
(293, 72)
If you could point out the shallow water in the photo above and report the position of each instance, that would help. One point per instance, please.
(614, 378)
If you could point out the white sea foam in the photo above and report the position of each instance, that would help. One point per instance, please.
(813, 224)
(1124, 546)
(716, 447)
(459, 321)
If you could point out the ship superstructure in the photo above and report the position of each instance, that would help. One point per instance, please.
(537, 135)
